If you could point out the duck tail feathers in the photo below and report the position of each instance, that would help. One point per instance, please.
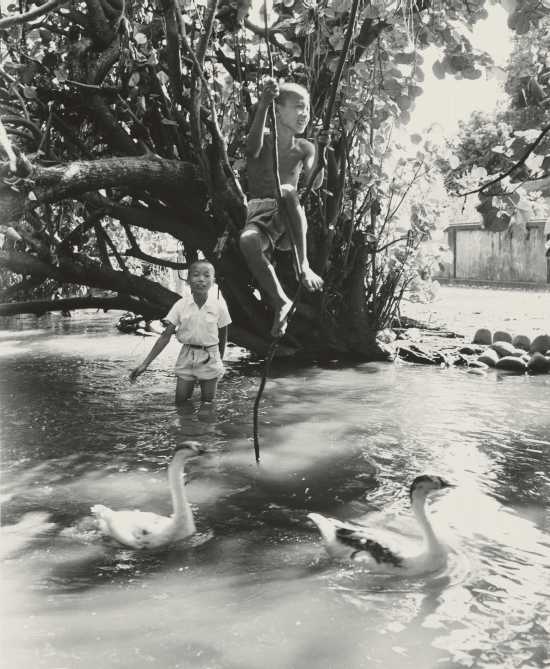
(101, 511)
(326, 526)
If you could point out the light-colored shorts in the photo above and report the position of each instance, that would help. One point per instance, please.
(263, 214)
(198, 364)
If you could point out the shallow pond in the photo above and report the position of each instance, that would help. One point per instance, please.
(254, 587)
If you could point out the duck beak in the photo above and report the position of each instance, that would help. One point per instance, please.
(445, 484)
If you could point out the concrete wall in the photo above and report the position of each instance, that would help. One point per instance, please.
(508, 256)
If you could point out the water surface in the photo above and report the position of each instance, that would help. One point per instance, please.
(254, 587)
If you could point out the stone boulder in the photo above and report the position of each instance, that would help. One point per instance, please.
(504, 348)
(521, 341)
(483, 336)
(538, 364)
(478, 364)
(512, 364)
(490, 357)
(414, 353)
(500, 335)
(540, 344)
(468, 349)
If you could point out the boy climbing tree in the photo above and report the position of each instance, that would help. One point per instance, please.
(272, 225)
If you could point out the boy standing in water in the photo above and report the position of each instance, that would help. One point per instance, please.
(199, 320)
(265, 228)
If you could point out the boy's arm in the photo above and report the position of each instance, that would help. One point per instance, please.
(255, 139)
(222, 339)
(158, 347)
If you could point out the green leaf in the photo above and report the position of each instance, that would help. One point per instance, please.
(29, 92)
(404, 102)
(454, 162)
(471, 73)
(438, 70)
(134, 79)
(404, 58)
(419, 74)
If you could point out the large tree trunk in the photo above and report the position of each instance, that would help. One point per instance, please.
(177, 207)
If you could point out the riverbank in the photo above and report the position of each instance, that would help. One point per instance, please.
(465, 309)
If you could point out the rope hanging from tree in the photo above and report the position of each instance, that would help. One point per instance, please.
(327, 117)
(281, 204)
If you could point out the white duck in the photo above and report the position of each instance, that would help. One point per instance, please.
(351, 541)
(143, 529)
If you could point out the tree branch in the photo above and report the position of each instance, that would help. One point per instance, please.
(110, 128)
(82, 270)
(173, 52)
(368, 34)
(211, 9)
(136, 252)
(51, 184)
(271, 36)
(100, 28)
(31, 14)
(121, 302)
(514, 167)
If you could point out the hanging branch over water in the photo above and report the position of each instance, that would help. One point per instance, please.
(121, 302)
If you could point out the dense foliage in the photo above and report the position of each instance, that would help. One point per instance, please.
(124, 127)
(509, 146)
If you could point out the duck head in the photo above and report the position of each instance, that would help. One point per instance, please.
(424, 485)
(188, 448)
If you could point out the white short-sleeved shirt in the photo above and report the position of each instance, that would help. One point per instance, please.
(199, 326)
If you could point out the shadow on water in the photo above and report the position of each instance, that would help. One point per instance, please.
(255, 582)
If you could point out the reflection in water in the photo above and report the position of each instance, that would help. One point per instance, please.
(254, 586)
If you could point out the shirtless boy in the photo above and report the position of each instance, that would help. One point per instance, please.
(265, 228)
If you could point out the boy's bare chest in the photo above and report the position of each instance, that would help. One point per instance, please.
(291, 161)
(260, 169)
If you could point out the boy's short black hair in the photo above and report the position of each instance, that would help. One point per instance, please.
(202, 262)
(289, 89)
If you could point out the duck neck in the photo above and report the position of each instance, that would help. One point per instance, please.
(419, 510)
(183, 514)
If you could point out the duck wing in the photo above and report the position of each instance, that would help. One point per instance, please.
(350, 540)
(136, 529)
(363, 547)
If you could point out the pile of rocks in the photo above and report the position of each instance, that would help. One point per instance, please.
(500, 350)
(515, 354)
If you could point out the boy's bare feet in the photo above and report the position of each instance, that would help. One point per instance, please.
(311, 280)
(281, 320)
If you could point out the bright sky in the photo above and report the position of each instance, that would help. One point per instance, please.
(449, 100)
